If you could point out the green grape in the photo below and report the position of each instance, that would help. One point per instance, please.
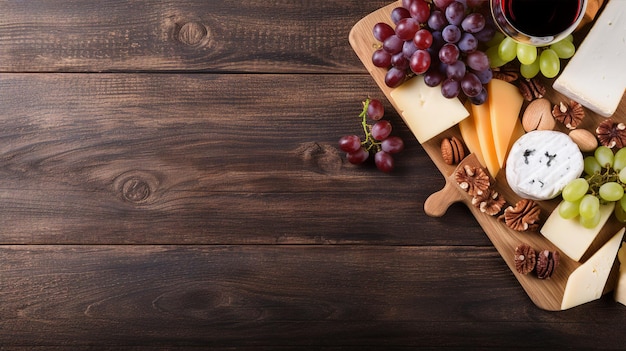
(529, 71)
(568, 209)
(591, 165)
(619, 161)
(494, 57)
(589, 206)
(526, 54)
(611, 191)
(619, 213)
(549, 63)
(569, 38)
(575, 190)
(590, 222)
(604, 156)
(622, 202)
(507, 50)
(564, 49)
(622, 175)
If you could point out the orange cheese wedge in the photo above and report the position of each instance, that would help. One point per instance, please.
(482, 120)
(505, 103)
(470, 137)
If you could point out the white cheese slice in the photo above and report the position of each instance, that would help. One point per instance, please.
(569, 235)
(620, 289)
(587, 282)
(425, 111)
(595, 75)
(541, 163)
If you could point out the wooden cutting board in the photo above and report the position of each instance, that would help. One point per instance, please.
(546, 294)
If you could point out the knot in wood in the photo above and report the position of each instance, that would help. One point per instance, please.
(192, 33)
(136, 190)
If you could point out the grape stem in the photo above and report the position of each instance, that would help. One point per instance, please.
(369, 141)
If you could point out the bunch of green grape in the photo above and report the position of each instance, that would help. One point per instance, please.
(603, 182)
(532, 59)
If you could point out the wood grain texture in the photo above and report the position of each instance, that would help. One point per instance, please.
(165, 35)
(281, 296)
(121, 158)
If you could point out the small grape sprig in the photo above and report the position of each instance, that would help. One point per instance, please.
(604, 182)
(378, 139)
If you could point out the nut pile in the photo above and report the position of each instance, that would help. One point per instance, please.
(543, 263)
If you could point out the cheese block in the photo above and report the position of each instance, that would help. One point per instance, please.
(587, 282)
(425, 111)
(541, 163)
(482, 123)
(572, 238)
(620, 289)
(470, 137)
(505, 103)
(595, 76)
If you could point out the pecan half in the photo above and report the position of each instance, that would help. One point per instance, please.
(474, 180)
(531, 89)
(523, 216)
(489, 202)
(525, 259)
(570, 114)
(452, 150)
(612, 134)
(547, 261)
(506, 73)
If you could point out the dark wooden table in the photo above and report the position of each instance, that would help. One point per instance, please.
(170, 178)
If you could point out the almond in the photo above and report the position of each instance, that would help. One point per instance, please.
(538, 116)
(585, 140)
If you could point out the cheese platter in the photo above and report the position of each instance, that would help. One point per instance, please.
(572, 282)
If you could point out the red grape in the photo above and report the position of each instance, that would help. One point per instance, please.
(471, 85)
(358, 157)
(375, 109)
(399, 13)
(420, 10)
(350, 143)
(394, 77)
(384, 161)
(449, 53)
(406, 28)
(381, 58)
(392, 144)
(420, 61)
(382, 31)
(381, 130)
(423, 39)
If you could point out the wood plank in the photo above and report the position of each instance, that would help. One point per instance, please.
(165, 35)
(123, 158)
(282, 296)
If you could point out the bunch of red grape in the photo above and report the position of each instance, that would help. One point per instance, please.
(441, 41)
(377, 139)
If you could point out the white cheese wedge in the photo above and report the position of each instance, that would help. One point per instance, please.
(620, 289)
(425, 111)
(595, 75)
(569, 235)
(587, 282)
(541, 163)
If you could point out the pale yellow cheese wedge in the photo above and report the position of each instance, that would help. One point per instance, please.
(587, 282)
(470, 137)
(620, 289)
(425, 111)
(482, 121)
(505, 103)
(569, 235)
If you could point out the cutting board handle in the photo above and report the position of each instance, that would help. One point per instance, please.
(438, 203)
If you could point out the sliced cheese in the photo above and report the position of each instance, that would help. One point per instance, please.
(482, 122)
(587, 282)
(595, 76)
(505, 103)
(620, 289)
(569, 235)
(425, 111)
(470, 137)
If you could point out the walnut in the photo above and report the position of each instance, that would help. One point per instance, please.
(547, 261)
(525, 259)
(506, 73)
(523, 216)
(571, 115)
(452, 150)
(474, 180)
(531, 89)
(489, 202)
(612, 134)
